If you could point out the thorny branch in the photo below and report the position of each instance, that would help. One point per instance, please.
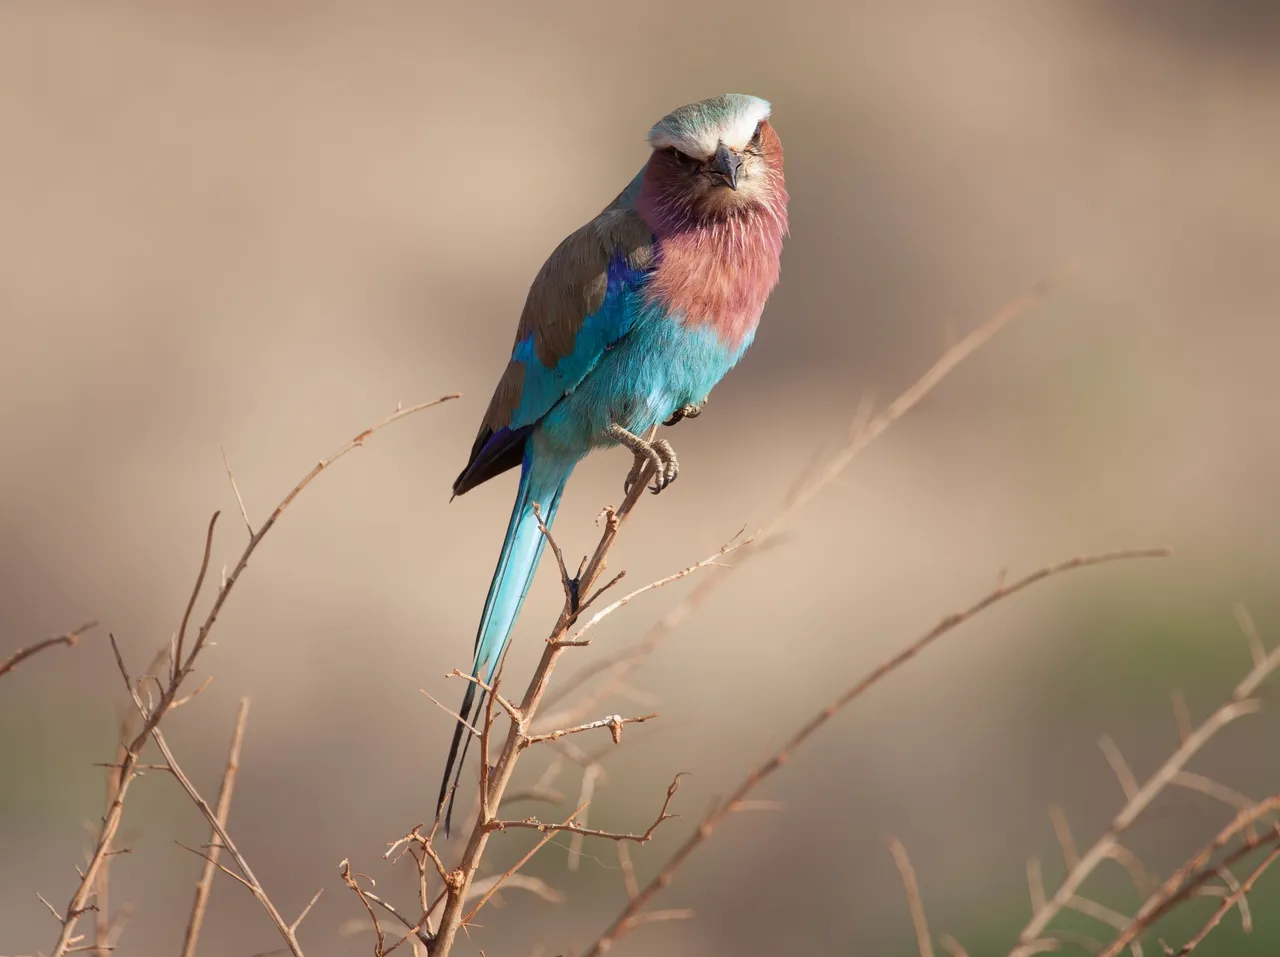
(1211, 863)
(614, 723)
(908, 873)
(1240, 703)
(495, 780)
(495, 773)
(575, 828)
(180, 668)
(1200, 869)
(722, 810)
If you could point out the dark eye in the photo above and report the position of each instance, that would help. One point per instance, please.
(755, 137)
(684, 159)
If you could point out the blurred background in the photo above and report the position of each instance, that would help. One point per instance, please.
(259, 226)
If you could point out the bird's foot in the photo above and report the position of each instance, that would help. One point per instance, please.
(685, 412)
(670, 466)
(658, 453)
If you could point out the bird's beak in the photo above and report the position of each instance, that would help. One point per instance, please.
(727, 164)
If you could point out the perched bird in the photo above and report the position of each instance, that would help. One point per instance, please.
(630, 323)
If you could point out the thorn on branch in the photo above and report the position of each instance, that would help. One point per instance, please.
(1128, 783)
(757, 774)
(1061, 828)
(1257, 650)
(1035, 884)
(449, 711)
(491, 690)
(293, 928)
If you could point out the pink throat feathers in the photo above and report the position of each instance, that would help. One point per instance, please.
(715, 266)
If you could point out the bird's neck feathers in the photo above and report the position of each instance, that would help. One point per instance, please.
(718, 254)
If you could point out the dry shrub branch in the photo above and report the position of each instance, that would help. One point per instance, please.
(634, 913)
(155, 693)
(1208, 871)
(70, 639)
(450, 888)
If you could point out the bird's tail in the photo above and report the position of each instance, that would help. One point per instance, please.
(541, 482)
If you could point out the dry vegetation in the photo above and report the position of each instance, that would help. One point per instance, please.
(450, 890)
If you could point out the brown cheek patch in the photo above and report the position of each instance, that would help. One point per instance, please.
(770, 145)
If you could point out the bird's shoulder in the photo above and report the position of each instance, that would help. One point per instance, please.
(611, 254)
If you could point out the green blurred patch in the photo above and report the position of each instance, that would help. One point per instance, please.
(991, 926)
(1144, 645)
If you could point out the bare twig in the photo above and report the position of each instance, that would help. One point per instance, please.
(218, 865)
(591, 774)
(614, 723)
(225, 792)
(347, 878)
(1199, 870)
(1035, 882)
(1100, 912)
(250, 881)
(576, 828)
(1062, 828)
(1181, 715)
(711, 560)
(70, 639)
(416, 929)
(102, 916)
(547, 836)
(496, 781)
(1214, 789)
(1128, 783)
(244, 513)
(628, 871)
(1235, 897)
(449, 711)
(490, 691)
(175, 663)
(923, 941)
(1250, 631)
(722, 810)
(305, 911)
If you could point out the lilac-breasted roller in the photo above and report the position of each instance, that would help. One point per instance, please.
(630, 323)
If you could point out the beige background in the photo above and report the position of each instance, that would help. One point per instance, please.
(261, 226)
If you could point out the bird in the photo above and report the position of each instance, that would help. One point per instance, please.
(629, 324)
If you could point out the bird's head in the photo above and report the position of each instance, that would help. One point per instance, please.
(721, 153)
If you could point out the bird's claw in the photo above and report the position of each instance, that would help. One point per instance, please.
(659, 454)
(684, 412)
(667, 468)
(637, 467)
